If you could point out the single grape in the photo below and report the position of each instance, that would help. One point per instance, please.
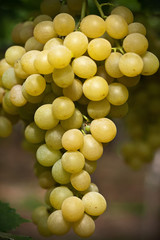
(84, 67)
(124, 12)
(16, 96)
(63, 77)
(13, 53)
(72, 209)
(116, 26)
(63, 108)
(95, 88)
(103, 130)
(112, 65)
(118, 94)
(63, 24)
(57, 224)
(34, 134)
(73, 162)
(44, 31)
(53, 137)
(80, 180)
(52, 43)
(98, 109)
(59, 174)
(85, 227)
(92, 26)
(75, 121)
(58, 195)
(91, 149)
(74, 91)
(42, 64)
(150, 64)
(35, 85)
(136, 27)
(94, 203)
(131, 64)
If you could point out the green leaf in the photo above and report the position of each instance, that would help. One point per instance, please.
(9, 236)
(9, 219)
(134, 5)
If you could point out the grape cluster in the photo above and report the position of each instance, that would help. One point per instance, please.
(66, 83)
(143, 126)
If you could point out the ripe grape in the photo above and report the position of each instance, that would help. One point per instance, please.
(118, 94)
(13, 53)
(136, 27)
(63, 24)
(98, 109)
(35, 84)
(59, 174)
(80, 180)
(53, 137)
(124, 12)
(85, 227)
(150, 63)
(63, 77)
(72, 140)
(44, 31)
(112, 65)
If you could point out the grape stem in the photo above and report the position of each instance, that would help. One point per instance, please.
(99, 7)
(83, 11)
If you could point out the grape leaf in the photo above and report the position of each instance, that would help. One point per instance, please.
(9, 219)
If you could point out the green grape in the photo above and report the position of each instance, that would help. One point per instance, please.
(118, 111)
(63, 108)
(59, 56)
(26, 31)
(44, 31)
(75, 121)
(19, 72)
(5, 127)
(84, 67)
(42, 227)
(124, 12)
(44, 117)
(118, 94)
(77, 42)
(42, 64)
(136, 27)
(50, 7)
(92, 188)
(75, 5)
(27, 61)
(58, 195)
(32, 99)
(99, 49)
(47, 156)
(85, 227)
(9, 78)
(150, 64)
(8, 106)
(101, 71)
(116, 26)
(94, 203)
(98, 109)
(80, 180)
(63, 24)
(46, 180)
(34, 134)
(131, 64)
(92, 26)
(95, 88)
(53, 137)
(59, 174)
(103, 130)
(112, 65)
(15, 34)
(39, 213)
(90, 166)
(41, 18)
(73, 162)
(52, 43)
(13, 53)
(72, 140)
(35, 85)
(74, 91)
(16, 96)
(135, 42)
(57, 91)
(57, 224)
(3, 66)
(129, 81)
(91, 149)
(63, 77)
(72, 209)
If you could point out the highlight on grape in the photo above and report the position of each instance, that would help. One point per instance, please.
(67, 81)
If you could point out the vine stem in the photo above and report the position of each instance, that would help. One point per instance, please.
(99, 6)
(84, 7)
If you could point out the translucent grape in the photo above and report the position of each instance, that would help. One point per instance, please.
(72, 139)
(99, 49)
(112, 65)
(75, 121)
(44, 31)
(136, 27)
(95, 88)
(92, 26)
(27, 61)
(63, 24)
(84, 67)
(59, 174)
(35, 84)
(73, 162)
(131, 64)
(34, 134)
(103, 130)
(42, 64)
(118, 94)
(150, 63)
(98, 109)
(124, 12)
(63, 77)
(74, 91)
(52, 43)
(85, 227)
(63, 108)
(116, 26)
(72, 209)
(13, 53)
(80, 180)
(53, 137)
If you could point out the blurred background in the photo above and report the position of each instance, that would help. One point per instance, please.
(128, 174)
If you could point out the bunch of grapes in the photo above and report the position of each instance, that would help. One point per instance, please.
(67, 83)
(143, 124)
